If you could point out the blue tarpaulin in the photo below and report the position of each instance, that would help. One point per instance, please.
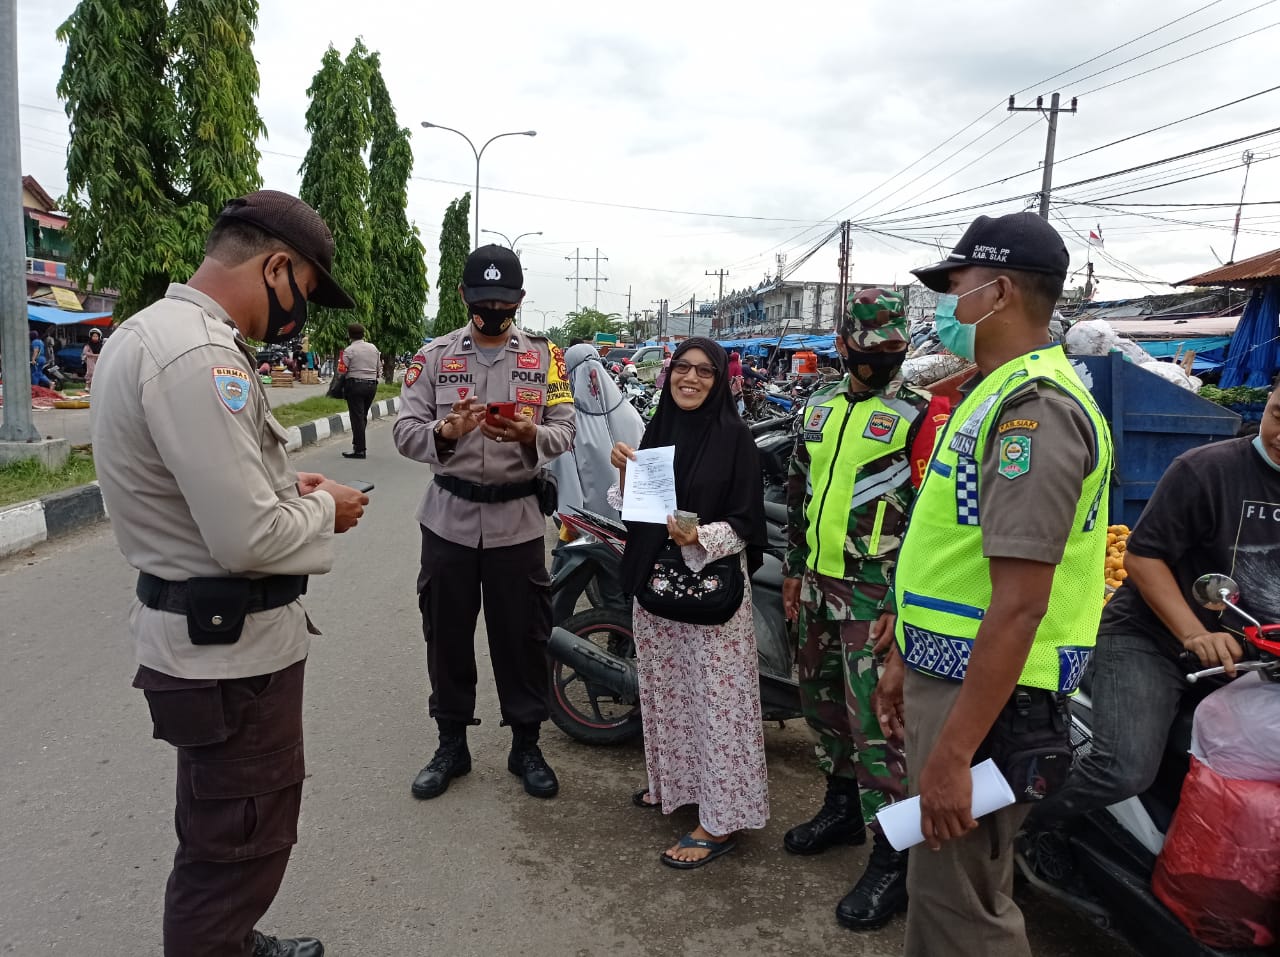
(1255, 354)
(53, 316)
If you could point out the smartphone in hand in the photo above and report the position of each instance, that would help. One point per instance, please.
(505, 409)
(365, 487)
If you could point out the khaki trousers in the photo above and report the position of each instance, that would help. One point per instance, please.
(962, 895)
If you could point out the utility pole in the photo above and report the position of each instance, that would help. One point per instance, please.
(662, 316)
(1235, 230)
(692, 303)
(630, 318)
(598, 257)
(720, 274)
(1046, 184)
(16, 430)
(575, 278)
(842, 297)
(1088, 281)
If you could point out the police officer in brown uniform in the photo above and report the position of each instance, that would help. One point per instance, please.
(484, 514)
(223, 532)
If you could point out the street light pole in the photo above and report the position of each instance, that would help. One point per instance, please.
(475, 199)
(510, 244)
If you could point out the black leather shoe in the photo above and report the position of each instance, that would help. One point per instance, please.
(264, 946)
(353, 455)
(526, 762)
(881, 891)
(451, 760)
(839, 821)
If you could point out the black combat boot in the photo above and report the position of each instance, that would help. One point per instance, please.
(526, 762)
(881, 891)
(839, 821)
(451, 760)
(264, 946)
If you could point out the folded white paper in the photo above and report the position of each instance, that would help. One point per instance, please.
(650, 491)
(901, 821)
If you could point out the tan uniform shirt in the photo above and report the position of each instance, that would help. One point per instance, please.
(362, 360)
(195, 477)
(529, 371)
(1030, 516)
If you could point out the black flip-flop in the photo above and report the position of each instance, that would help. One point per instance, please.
(638, 800)
(717, 849)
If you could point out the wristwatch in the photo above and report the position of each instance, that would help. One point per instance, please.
(439, 431)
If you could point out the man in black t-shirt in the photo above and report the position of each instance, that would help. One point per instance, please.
(1216, 509)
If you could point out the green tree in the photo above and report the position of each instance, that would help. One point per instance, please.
(399, 269)
(455, 246)
(163, 127)
(585, 323)
(335, 181)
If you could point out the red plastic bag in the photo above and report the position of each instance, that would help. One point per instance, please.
(1219, 871)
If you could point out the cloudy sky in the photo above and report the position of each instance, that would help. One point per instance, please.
(682, 138)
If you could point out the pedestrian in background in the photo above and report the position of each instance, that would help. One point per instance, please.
(584, 474)
(38, 362)
(699, 684)
(736, 381)
(89, 355)
(206, 505)
(362, 361)
(484, 515)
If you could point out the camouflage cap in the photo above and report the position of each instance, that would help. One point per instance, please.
(874, 316)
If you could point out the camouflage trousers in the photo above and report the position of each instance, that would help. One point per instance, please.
(838, 674)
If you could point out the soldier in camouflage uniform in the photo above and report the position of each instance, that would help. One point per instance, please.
(849, 490)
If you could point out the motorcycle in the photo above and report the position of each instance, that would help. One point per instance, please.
(595, 690)
(1101, 863)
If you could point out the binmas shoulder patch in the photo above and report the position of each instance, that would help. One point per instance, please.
(232, 387)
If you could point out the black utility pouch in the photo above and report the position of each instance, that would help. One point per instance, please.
(1031, 743)
(216, 609)
(548, 492)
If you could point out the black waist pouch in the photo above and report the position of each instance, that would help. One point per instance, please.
(548, 492)
(1031, 743)
(216, 609)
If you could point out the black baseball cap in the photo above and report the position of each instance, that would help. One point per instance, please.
(1023, 242)
(492, 273)
(292, 221)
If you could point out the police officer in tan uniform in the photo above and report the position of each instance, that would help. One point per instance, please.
(484, 514)
(223, 532)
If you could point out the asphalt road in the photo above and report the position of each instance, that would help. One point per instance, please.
(483, 870)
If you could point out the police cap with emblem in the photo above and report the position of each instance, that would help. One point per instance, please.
(1023, 242)
(492, 273)
(293, 222)
(874, 316)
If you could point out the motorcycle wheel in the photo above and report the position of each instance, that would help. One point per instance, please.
(587, 714)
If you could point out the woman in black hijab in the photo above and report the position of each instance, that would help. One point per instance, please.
(699, 684)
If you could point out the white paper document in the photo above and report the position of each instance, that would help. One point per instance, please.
(649, 494)
(901, 821)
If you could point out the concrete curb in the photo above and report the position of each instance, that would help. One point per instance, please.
(30, 523)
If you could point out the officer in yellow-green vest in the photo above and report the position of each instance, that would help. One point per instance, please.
(999, 582)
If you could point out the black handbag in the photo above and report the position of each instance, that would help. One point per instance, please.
(672, 590)
(337, 386)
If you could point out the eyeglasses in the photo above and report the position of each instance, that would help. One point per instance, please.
(680, 367)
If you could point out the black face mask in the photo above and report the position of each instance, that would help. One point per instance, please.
(883, 366)
(490, 320)
(283, 324)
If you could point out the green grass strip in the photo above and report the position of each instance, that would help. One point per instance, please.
(23, 481)
(319, 407)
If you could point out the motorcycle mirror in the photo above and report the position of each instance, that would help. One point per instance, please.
(1215, 591)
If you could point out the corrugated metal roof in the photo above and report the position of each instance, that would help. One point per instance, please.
(1254, 269)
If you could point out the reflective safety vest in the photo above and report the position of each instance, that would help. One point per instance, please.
(943, 581)
(843, 438)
